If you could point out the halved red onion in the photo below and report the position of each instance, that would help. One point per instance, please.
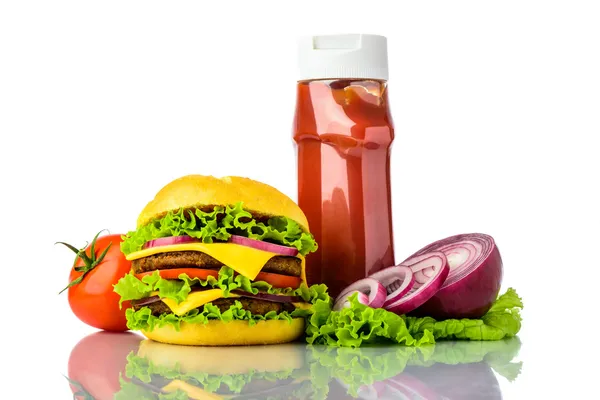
(474, 279)
(167, 241)
(397, 280)
(371, 293)
(269, 297)
(430, 271)
(266, 246)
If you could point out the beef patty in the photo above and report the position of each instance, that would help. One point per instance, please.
(255, 306)
(291, 266)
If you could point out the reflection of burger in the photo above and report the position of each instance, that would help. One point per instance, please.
(219, 262)
(164, 371)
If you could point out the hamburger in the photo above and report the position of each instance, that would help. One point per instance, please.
(160, 371)
(219, 261)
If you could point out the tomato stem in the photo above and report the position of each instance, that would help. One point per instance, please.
(89, 261)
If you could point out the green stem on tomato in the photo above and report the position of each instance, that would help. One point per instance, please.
(89, 262)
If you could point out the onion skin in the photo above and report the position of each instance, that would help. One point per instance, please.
(423, 290)
(473, 295)
(147, 300)
(264, 246)
(169, 240)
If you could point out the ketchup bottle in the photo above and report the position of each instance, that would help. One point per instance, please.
(343, 132)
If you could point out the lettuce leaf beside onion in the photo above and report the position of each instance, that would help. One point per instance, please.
(358, 325)
(219, 225)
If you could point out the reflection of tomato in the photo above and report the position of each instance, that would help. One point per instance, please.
(96, 362)
(93, 300)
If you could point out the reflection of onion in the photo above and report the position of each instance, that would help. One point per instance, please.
(446, 370)
(367, 392)
(461, 381)
(409, 387)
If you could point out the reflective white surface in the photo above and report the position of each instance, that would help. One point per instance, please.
(150, 370)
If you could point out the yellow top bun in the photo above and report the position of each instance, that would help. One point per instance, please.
(205, 192)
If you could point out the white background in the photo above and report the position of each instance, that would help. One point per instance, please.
(497, 113)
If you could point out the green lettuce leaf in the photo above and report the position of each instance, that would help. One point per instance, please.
(219, 225)
(358, 325)
(130, 390)
(131, 288)
(144, 320)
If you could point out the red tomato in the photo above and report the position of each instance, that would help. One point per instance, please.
(96, 362)
(92, 299)
(279, 281)
(175, 272)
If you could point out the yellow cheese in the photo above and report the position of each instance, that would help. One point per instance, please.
(244, 260)
(193, 392)
(195, 300)
(302, 306)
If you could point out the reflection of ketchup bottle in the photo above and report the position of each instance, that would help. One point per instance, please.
(344, 131)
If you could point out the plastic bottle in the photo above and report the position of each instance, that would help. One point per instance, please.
(343, 132)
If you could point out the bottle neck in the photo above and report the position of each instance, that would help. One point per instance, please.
(341, 105)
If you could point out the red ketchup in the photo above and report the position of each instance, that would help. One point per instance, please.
(343, 132)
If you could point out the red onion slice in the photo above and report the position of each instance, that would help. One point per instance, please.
(343, 302)
(370, 293)
(430, 271)
(474, 279)
(397, 280)
(167, 241)
(265, 246)
(147, 300)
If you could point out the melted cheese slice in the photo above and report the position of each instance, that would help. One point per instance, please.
(193, 392)
(244, 260)
(302, 306)
(195, 300)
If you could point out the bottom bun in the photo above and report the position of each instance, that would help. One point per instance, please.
(234, 333)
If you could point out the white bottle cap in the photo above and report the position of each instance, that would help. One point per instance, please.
(343, 56)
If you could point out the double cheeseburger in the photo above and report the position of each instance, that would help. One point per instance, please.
(219, 261)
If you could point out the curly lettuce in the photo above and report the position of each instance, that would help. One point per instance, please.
(130, 390)
(143, 319)
(131, 288)
(358, 325)
(219, 225)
